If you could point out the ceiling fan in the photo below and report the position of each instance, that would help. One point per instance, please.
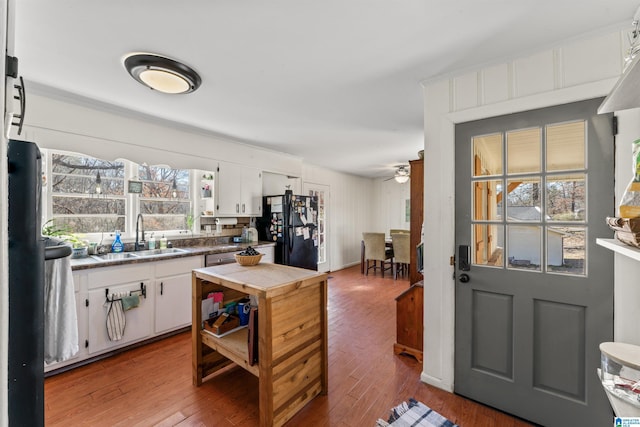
(401, 175)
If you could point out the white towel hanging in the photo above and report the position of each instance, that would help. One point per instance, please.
(116, 321)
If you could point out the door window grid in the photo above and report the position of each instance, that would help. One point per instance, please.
(545, 225)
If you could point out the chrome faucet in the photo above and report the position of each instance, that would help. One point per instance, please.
(139, 244)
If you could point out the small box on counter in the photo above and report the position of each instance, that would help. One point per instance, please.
(222, 323)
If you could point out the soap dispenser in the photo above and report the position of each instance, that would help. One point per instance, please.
(163, 242)
(117, 245)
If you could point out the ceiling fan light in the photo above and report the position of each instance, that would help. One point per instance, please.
(401, 178)
(162, 74)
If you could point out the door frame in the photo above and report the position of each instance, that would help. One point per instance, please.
(325, 266)
(439, 137)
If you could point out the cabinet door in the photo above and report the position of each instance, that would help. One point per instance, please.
(268, 254)
(228, 187)
(138, 320)
(173, 303)
(251, 191)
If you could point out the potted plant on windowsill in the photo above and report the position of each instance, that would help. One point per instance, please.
(79, 247)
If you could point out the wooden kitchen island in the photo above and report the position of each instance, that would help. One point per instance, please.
(292, 366)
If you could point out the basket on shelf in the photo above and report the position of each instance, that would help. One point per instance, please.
(248, 260)
(627, 230)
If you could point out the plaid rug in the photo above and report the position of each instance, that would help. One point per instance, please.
(414, 414)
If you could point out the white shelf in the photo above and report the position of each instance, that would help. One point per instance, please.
(620, 248)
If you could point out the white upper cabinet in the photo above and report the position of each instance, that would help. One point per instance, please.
(238, 190)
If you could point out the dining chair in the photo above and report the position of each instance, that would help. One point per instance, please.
(375, 250)
(398, 230)
(401, 252)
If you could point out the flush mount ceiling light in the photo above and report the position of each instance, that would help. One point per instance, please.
(161, 73)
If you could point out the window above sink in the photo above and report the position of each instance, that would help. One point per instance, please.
(91, 196)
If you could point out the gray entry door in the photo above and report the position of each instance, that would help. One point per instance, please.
(536, 296)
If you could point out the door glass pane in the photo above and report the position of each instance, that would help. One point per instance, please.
(488, 243)
(523, 151)
(566, 146)
(487, 155)
(566, 197)
(524, 246)
(566, 250)
(487, 200)
(523, 200)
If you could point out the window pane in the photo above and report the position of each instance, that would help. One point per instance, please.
(165, 200)
(524, 246)
(80, 201)
(566, 250)
(523, 151)
(487, 155)
(566, 197)
(523, 201)
(566, 146)
(487, 200)
(488, 243)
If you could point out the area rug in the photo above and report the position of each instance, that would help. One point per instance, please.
(414, 414)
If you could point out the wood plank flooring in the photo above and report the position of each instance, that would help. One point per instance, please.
(151, 385)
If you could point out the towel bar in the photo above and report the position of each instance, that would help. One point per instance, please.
(142, 291)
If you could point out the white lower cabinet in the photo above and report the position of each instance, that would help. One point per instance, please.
(125, 280)
(268, 253)
(173, 293)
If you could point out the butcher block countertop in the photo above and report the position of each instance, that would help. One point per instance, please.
(261, 279)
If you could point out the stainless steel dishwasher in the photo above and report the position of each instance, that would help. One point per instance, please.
(219, 259)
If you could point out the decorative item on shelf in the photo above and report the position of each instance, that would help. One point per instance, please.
(208, 176)
(206, 190)
(421, 154)
(627, 230)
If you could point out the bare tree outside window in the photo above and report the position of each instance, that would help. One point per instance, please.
(76, 205)
(165, 200)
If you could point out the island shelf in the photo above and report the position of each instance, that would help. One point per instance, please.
(292, 365)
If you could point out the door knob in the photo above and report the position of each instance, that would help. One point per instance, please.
(464, 278)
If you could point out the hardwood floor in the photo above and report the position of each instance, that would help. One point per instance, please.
(151, 385)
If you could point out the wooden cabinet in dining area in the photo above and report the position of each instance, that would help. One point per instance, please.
(417, 216)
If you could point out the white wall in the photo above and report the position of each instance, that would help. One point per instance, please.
(390, 205)
(69, 124)
(578, 70)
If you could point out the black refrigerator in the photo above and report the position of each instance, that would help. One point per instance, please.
(26, 286)
(291, 222)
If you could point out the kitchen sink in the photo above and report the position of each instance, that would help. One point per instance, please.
(114, 256)
(139, 254)
(156, 252)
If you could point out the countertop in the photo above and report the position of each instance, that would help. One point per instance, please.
(89, 262)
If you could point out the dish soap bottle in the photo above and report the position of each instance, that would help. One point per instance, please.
(152, 242)
(117, 245)
(163, 242)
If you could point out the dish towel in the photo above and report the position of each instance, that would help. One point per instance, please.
(116, 321)
(60, 318)
(130, 301)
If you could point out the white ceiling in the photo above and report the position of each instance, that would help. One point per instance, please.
(336, 82)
